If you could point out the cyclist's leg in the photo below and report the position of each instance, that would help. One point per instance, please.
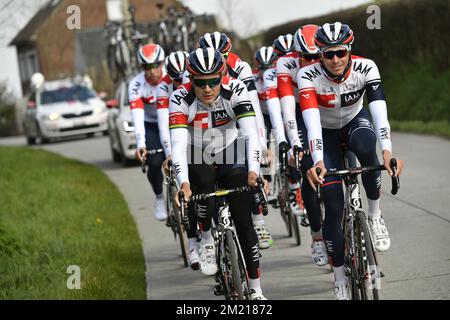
(333, 199)
(362, 141)
(154, 173)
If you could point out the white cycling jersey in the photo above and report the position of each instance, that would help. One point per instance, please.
(286, 69)
(241, 70)
(326, 103)
(212, 127)
(163, 92)
(266, 86)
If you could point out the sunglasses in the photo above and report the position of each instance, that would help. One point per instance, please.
(310, 57)
(202, 83)
(337, 53)
(149, 66)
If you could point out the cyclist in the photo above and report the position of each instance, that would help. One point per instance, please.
(331, 98)
(304, 53)
(144, 102)
(239, 69)
(266, 86)
(177, 74)
(204, 115)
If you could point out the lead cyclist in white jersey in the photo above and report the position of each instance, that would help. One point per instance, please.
(331, 99)
(208, 148)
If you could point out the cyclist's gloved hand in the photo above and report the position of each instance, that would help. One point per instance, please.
(315, 179)
(387, 161)
(252, 179)
(141, 154)
(186, 188)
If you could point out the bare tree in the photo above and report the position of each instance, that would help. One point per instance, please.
(229, 8)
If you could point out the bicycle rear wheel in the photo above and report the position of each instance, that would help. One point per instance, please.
(369, 272)
(295, 227)
(111, 63)
(182, 236)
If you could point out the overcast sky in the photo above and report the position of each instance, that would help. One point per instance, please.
(248, 16)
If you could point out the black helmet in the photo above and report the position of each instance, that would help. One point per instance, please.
(265, 57)
(215, 40)
(283, 44)
(205, 61)
(333, 34)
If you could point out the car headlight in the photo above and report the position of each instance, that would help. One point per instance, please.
(54, 116)
(98, 109)
(128, 126)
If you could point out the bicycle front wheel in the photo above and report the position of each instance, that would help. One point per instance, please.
(295, 227)
(237, 289)
(369, 271)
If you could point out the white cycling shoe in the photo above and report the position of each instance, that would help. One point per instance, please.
(264, 238)
(257, 295)
(319, 253)
(160, 209)
(208, 264)
(341, 291)
(380, 235)
(194, 259)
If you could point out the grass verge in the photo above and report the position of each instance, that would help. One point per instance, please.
(55, 213)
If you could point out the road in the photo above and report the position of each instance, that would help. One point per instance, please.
(418, 219)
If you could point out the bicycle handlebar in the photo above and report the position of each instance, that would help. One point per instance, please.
(264, 205)
(395, 179)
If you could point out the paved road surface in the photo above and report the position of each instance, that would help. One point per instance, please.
(416, 267)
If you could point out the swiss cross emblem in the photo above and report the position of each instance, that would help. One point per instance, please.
(201, 120)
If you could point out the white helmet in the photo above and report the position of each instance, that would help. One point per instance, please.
(150, 53)
(176, 63)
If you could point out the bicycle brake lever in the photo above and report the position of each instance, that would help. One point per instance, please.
(318, 188)
(395, 178)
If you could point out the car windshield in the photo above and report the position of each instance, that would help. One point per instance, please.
(66, 94)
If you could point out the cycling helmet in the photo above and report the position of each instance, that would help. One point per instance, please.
(283, 44)
(176, 64)
(215, 40)
(304, 39)
(150, 53)
(265, 57)
(333, 34)
(205, 61)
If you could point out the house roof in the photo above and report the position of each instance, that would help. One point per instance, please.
(26, 35)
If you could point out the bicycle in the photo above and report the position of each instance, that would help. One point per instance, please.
(360, 261)
(117, 53)
(281, 188)
(176, 219)
(231, 279)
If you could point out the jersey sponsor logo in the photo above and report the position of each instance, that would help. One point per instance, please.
(236, 88)
(359, 67)
(375, 87)
(220, 118)
(136, 87)
(200, 120)
(311, 74)
(305, 95)
(178, 96)
(271, 76)
(291, 65)
(327, 100)
(284, 78)
(177, 168)
(165, 87)
(316, 145)
(384, 133)
(291, 125)
(348, 99)
(256, 155)
(239, 69)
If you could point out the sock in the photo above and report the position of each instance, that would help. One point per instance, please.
(374, 208)
(207, 236)
(317, 235)
(192, 243)
(255, 284)
(258, 219)
(339, 275)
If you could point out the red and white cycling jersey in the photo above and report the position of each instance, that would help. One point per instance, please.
(212, 127)
(266, 86)
(330, 104)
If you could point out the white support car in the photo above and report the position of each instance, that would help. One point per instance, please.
(63, 108)
(120, 126)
